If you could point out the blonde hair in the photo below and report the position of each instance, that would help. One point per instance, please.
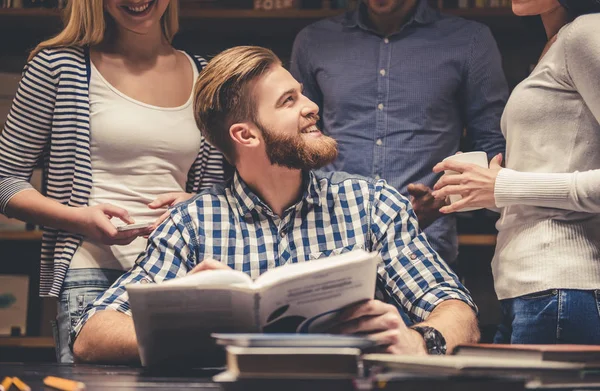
(221, 94)
(86, 25)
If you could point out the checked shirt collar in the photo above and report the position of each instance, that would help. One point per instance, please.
(247, 201)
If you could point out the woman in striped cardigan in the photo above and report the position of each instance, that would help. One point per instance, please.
(106, 107)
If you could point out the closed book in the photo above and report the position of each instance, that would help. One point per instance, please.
(589, 354)
(294, 340)
(538, 373)
(230, 382)
(292, 362)
(399, 381)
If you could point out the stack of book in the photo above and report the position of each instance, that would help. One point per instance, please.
(291, 361)
(540, 366)
(331, 362)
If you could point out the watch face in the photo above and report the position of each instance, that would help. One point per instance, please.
(434, 340)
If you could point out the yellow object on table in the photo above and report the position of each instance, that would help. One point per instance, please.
(63, 384)
(20, 384)
(6, 383)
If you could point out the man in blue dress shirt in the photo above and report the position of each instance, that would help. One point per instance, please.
(397, 83)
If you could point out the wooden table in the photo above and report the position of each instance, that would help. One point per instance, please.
(110, 377)
(103, 377)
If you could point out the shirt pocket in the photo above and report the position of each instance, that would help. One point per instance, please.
(334, 251)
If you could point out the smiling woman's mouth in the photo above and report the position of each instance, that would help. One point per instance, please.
(139, 9)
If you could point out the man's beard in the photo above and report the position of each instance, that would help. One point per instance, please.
(293, 151)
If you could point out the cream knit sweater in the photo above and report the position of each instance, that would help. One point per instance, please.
(549, 231)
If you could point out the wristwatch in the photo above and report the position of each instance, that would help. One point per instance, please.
(434, 340)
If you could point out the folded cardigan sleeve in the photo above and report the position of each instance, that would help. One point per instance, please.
(27, 127)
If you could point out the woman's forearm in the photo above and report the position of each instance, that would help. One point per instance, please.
(578, 191)
(33, 207)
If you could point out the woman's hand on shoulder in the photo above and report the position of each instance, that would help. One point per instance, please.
(94, 223)
(167, 200)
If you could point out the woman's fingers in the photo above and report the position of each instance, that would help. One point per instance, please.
(456, 206)
(115, 211)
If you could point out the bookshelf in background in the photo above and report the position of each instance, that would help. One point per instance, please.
(32, 3)
(44, 20)
(263, 5)
(444, 4)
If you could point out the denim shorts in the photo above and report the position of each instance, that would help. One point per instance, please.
(555, 316)
(80, 287)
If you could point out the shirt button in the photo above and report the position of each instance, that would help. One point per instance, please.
(380, 106)
(379, 142)
(413, 256)
(386, 40)
(382, 72)
(377, 177)
(282, 233)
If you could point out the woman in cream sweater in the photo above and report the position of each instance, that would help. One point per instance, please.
(547, 261)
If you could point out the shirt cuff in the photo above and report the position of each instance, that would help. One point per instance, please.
(427, 303)
(527, 188)
(8, 188)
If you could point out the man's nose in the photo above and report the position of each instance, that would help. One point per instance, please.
(310, 107)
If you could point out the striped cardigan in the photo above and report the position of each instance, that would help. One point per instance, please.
(50, 120)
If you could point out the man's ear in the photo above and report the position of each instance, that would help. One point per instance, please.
(244, 135)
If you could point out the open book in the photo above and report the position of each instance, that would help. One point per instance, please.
(174, 319)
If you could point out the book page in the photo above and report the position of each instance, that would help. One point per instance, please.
(296, 270)
(175, 322)
(212, 278)
(308, 300)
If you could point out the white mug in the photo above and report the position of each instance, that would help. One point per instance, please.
(478, 158)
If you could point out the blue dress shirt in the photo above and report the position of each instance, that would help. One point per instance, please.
(397, 105)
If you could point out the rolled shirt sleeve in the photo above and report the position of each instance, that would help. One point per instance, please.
(413, 274)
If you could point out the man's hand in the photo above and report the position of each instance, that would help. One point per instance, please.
(209, 264)
(382, 322)
(425, 205)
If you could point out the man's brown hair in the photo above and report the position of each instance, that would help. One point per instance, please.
(222, 97)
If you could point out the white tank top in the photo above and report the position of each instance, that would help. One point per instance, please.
(138, 151)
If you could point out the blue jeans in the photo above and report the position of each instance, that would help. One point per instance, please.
(556, 316)
(81, 287)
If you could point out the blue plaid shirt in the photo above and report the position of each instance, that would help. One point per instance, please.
(337, 213)
(398, 105)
